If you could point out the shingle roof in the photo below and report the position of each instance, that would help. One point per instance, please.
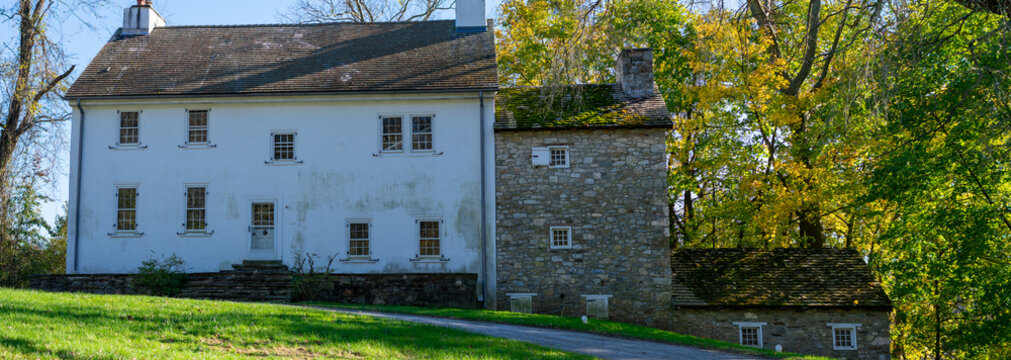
(780, 277)
(577, 106)
(271, 59)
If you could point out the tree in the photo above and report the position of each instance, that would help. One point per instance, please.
(320, 11)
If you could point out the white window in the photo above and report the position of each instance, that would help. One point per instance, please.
(430, 238)
(126, 209)
(359, 239)
(559, 156)
(196, 127)
(521, 302)
(844, 336)
(421, 133)
(561, 237)
(392, 133)
(129, 128)
(750, 333)
(283, 146)
(196, 208)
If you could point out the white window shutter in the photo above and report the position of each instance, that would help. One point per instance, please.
(541, 156)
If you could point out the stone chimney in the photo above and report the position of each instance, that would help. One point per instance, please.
(470, 16)
(141, 19)
(634, 71)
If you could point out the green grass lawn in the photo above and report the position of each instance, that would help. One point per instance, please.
(39, 325)
(604, 327)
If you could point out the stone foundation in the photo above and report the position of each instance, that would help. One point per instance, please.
(265, 283)
(801, 330)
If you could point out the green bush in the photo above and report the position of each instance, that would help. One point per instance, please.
(160, 276)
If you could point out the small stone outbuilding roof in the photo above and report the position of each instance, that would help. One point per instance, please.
(578, 107)
(286, 59)
(774, 278)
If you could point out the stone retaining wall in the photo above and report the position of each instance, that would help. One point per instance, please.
(801, 330)
(434, 290)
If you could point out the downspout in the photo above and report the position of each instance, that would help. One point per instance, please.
(484, 208)
(77, 187)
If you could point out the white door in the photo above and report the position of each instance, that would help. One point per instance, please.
(262, 227)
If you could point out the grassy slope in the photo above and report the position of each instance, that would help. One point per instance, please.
(38, 325)
(572, 323)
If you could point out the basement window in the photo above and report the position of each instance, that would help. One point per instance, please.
(844, 336)
(129, 128)
(596, 306)
(521, 302)
(750, 333)
(561, 237)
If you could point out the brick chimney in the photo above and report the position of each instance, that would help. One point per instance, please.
(634, 71)
(470, 16)
(141, 19)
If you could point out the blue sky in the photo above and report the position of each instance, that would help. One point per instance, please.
(83, 42)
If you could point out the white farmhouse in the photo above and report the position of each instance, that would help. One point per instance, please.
(220, 144)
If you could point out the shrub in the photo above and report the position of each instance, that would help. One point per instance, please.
(308, 284)
(160, 276)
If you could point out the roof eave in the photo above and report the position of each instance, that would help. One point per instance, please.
(279, 93)
(599, 127)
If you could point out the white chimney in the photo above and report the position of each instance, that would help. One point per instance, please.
(141, 19)
(470, 16)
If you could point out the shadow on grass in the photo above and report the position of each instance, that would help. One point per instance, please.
(30, 348)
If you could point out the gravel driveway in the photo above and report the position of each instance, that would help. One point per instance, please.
(600, 346)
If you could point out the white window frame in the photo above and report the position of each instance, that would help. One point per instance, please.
(186, 231)
(410, 119)
(551, 237)
(135, 232)
(119, 132)
(853, 335)
(347, 240)
(551, 156)
(441, 257)
(404, 137)
(187, 144)
(294, 149)
(741, 325)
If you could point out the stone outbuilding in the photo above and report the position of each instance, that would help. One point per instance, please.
(810, 301)
(581, 206)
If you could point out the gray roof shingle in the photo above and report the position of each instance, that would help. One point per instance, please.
(277, 59)
(781, 277)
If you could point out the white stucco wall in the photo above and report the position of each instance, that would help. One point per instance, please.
(339, 178)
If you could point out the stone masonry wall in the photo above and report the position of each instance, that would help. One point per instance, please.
(437, 290)
(803, 331)
(613, 195)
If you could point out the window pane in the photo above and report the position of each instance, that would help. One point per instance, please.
(359, 242)
(843, 338)
(195, 208)
(129, 131)
(749, 336)
(421, 133)
(198, 127)
(284, 146)
(559, 157)
(126, 215)
(560, 238)
(429, 235)
(392, 133)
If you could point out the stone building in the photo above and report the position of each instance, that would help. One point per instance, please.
(810, 301)
(581, 216)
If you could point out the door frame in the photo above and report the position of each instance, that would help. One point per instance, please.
(263, 254)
